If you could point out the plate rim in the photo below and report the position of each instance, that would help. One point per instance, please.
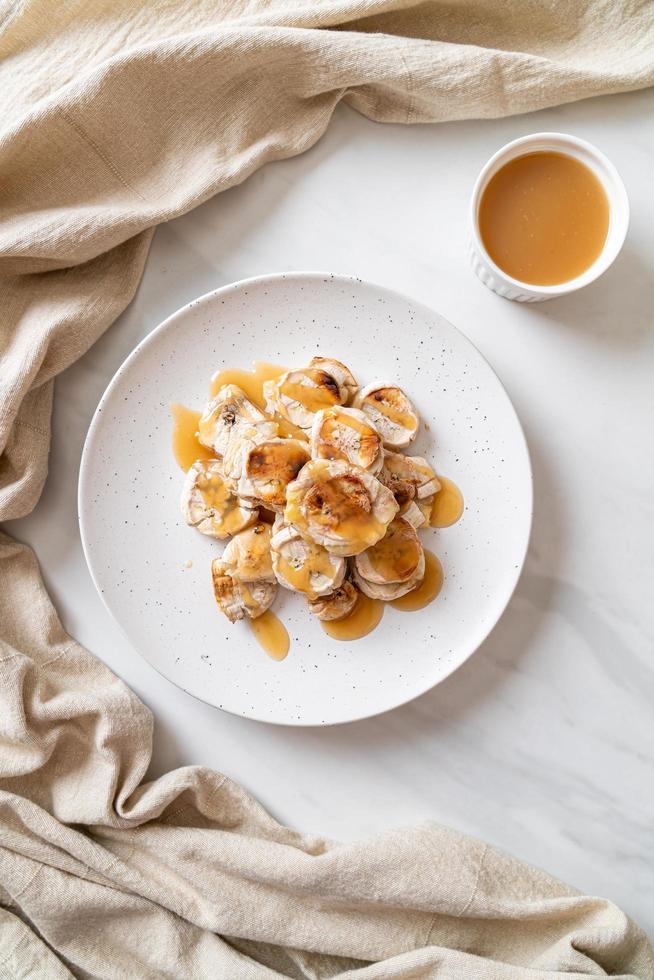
(182, 311)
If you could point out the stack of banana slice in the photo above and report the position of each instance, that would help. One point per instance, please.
(345, 503)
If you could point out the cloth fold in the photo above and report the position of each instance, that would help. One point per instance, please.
(118, 115)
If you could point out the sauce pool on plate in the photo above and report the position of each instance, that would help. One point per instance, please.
(271, 634)
(447, 507)
(544, 218)
(187, 448)
(363, 619)
(428, 589)
(252, 382)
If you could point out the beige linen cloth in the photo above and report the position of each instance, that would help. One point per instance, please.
(117, 115)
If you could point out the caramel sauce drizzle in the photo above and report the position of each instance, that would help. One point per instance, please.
(447, 506)
(381, 400)
(273, 466)
(271, 635)
(333, 508)
(363, 619)
(269, 631)
(313, 397)
(331, 435)
(317, 562)
(395, 558)
(187, 448)
(219, 498)
(251, 383)
(428, 589)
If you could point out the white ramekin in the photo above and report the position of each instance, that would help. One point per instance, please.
(497, 280)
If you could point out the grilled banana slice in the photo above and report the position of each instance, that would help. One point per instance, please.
(302, 565)
(413, 483)
(229, 419)
(336, 605)
(393, 566)
(209, 504)
(268, 467)
(298, 395)
(339, 506)
(395, 558)
(247, 556)
(391, 413)
(347, 383)
(346, 433)
(238, 599)
(390, 591)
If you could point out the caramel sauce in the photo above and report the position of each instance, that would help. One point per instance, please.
(251, 383)
(363, 619)
(187, 448)
(337, 507)
(395, 558)
(226, 505)
(365, 429)
(288, 430)
(362, 531)
(273, 465)
(403, 468)
(544, 218)
(383, 399)
(448, 505)
(331, 436)
(428, 589)
(317, 562)
(271, 635)
(314, 396)
(254, 560)
(331, 502)
(332, 505)
(214, 492)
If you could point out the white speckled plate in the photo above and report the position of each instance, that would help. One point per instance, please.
(136, 542)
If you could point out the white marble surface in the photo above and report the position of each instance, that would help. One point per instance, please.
(543, 743)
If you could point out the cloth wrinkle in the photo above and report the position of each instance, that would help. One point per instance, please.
(473, 893)
(190, 804)
(96, 149)
(14, 949)
(29, 883)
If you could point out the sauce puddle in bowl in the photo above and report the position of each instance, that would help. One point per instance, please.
(544, 218)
